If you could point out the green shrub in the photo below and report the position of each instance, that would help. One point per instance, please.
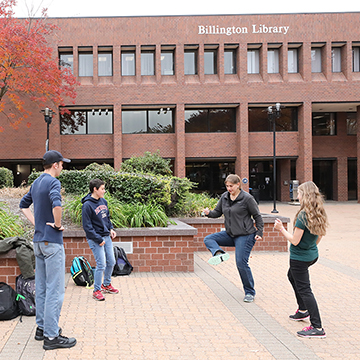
(148, 164)
(6, 177)
(122, 215)
(10, 224)
(194, 204)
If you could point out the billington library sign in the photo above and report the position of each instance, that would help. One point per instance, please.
(255, 29)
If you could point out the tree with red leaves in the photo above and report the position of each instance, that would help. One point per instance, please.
(29, 69)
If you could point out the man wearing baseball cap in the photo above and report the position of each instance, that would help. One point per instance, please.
(49, 251)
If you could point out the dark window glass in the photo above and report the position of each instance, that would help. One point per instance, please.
(147, 121)
(209, 175)
(351, 124)
(128, 63)
(324, 124)
(258, 119)
(190, 62)
(230, 62)
(210, 120)
(87, 122)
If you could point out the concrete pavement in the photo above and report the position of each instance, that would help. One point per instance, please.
(201, 315)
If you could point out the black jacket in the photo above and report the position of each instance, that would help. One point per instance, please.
(239, 214)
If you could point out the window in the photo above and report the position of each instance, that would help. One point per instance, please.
(293, 61)
(147, 121)
(147, 60)
(66, 58)
(253, 61)
(258, 119)
(127, 61)
(210, 120)
(351, 124)
(87, 121)
(167, 60)
(210, 59)
(356, 58)
(324, 124)
(105, 62)
(190, 59)
(229, 60)
(316, 60)
(273, 61)
(85, 62)
(336, 59)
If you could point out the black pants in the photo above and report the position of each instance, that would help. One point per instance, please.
(299, 278)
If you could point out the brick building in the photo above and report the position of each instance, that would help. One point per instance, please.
(198, 87)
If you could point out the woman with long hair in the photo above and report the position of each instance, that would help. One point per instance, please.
(310, 225)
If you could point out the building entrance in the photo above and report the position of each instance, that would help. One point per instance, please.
(323, 177)
(261, 179)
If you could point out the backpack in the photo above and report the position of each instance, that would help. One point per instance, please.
(26, 295)
(9, 308)
(122, 264)
(81, 272)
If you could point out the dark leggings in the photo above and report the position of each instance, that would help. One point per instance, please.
(299, 278)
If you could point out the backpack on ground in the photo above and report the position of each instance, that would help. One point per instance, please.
(9, 308)
(26, 295)
(122, 264)
(81, 272)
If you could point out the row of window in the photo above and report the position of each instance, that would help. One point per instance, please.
(204, 120)
(211, 54)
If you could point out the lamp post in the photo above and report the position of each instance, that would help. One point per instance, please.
(274, 112)
(48, 114)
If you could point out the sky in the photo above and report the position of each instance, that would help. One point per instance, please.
(86, 8)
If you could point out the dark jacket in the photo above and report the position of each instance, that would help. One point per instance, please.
(95, 218)
(239, 214)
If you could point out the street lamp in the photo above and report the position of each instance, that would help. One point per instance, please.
(48, 114)
(274, 112)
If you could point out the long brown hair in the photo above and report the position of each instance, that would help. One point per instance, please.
(312, 204)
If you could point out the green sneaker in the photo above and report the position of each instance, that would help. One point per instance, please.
(218, 259)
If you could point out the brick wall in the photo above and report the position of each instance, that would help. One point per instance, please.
(9, 268)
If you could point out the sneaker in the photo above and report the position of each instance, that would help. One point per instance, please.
(249, 298)
(60, 342)
(310, 331)
(109, 289)
(97, 295)
(39, 334)
(298, 316)
(218, 259)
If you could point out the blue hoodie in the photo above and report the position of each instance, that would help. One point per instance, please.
(95, 218)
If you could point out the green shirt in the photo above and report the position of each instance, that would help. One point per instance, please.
(306, 249)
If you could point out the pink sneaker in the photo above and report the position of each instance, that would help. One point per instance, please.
(109, 289)
(97, 295)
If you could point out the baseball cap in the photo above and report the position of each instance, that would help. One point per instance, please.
(53, 156)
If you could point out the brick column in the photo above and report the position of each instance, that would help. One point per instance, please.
(117, 142)
(242, 151)
(284, 181)
(304, 162)
(358, 153)
(180, 141)
(342, 179)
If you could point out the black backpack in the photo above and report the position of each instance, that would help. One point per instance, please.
(122, 264)
(9, 308)
(26, 295)
(81, 272)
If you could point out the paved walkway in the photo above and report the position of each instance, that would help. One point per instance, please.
(201, 315)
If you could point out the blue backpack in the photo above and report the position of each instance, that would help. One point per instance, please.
(81, 272)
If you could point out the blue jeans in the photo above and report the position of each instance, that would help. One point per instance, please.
(243, 246)
(49, 285)
(105, 261)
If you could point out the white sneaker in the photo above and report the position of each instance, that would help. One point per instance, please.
(218, 259)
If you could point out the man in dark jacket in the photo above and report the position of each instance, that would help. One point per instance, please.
(240, 211)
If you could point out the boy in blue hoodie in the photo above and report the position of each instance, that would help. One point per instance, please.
(99, 232)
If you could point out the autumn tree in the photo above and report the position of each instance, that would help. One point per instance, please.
(29, 69)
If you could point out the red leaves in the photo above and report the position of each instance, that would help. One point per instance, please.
(28, 66)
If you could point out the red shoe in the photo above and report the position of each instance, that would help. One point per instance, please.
(109, 289)
(97, 295)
